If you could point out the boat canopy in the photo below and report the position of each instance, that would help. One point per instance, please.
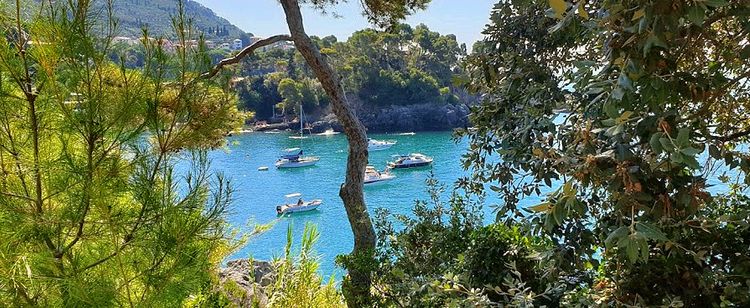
(294, 195)
(295, 156)
(292, 149)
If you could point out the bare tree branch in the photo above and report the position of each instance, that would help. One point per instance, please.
(732, 137)
(245, 51)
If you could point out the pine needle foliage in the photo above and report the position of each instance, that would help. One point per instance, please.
(106, 198)
(296, 279)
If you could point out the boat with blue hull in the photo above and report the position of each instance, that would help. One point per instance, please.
(294, 158)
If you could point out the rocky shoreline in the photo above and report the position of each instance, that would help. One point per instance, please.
(245, 281)
(411, 118)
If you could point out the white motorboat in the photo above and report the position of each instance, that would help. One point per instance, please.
(378, 145)
(373, 176)
(410, 161)
(407, 134)
(299, 206)
(294, 159)
(329, 132)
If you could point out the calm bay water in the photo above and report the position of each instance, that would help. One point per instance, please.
(258, 192)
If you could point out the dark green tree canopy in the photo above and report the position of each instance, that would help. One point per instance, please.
(628, 112)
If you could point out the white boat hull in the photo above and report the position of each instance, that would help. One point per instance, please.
(329, 132)
(379, 147)
(374, 181)
(293, 208)
(306, 162)
(414, 160)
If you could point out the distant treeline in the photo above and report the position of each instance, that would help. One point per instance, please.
(399, 67)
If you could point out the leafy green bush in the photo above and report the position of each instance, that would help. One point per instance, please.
(444, 256)
(627, 111)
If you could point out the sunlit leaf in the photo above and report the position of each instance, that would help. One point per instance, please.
(559, 7)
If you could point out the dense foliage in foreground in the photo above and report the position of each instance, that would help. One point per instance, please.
(648, 165)
(94, 209)
(647, 168)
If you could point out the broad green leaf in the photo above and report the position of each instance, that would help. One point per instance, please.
(568, 189)
(559, 6)
(745, 52)
(716, 3)
(559, 213)
(651, 232)
(666, 144)
(615, 130)
(616, 235)
(631, 249)
(610, 109)
(691, 162)
(683, 137)
(691, 151)
(543, 207)
(714, 152)
(696, 14)
(644, 249)
(651, 41)
(624, 116)
(655, 144)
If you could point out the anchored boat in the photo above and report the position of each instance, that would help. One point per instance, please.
(294, 159)
(377, 145)
(329, 132)
(373, 176)
(299, 206)
(410, 161)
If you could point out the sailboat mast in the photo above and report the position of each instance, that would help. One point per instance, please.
(301, 116)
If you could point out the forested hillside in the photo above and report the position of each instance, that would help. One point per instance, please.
(380, 69)
(135, 14)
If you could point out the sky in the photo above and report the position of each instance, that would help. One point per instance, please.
(464, 18)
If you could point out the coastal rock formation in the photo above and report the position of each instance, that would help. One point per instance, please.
(421, 117)
(244, 282)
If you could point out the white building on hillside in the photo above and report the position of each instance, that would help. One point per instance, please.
(237, 44)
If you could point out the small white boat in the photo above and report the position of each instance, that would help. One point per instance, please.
(262, 168)
(329, 132)
(373, 176)
(295, 160)
(407, 134)
(410, 161)
(299, 206)
(378, 145)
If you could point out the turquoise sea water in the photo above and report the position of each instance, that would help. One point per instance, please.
(258, 192)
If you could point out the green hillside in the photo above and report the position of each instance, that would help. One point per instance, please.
(155, 14)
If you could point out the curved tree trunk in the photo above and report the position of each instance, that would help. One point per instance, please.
(357, 289)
